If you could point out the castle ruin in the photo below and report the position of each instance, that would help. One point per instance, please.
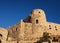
(31, 29)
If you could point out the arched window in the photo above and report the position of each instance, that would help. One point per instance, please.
(36, 21)
(16, 28)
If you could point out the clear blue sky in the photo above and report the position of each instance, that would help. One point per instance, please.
(12, 11)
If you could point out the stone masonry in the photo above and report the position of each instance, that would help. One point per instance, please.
(30, 29)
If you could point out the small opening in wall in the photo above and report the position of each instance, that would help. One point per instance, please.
(49, 26)
(54, 39)
(0, 35)
(39, 11)
(0, 41)
(16, 28)
(56, 29)
(37, 21)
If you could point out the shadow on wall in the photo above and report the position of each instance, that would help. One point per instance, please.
(45, 38)
(0, 37)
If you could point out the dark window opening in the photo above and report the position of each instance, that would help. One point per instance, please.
(16, 29)
(56, 29)
(37, 21)
(55, 39)
(0, 41)
(39, 11)
(49, 26)
(1, 35)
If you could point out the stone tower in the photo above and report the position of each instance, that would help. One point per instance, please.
(38, 19)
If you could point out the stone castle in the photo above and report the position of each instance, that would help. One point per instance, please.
(31, 29)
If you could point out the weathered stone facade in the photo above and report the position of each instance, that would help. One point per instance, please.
(30, 30)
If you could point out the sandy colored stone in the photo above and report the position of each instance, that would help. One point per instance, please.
(31, 29)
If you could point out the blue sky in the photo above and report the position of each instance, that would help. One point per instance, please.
(12, 11)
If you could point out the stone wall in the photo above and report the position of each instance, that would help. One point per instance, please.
(3, 35)
(30, 30)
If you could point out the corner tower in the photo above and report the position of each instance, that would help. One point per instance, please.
(38, 19)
